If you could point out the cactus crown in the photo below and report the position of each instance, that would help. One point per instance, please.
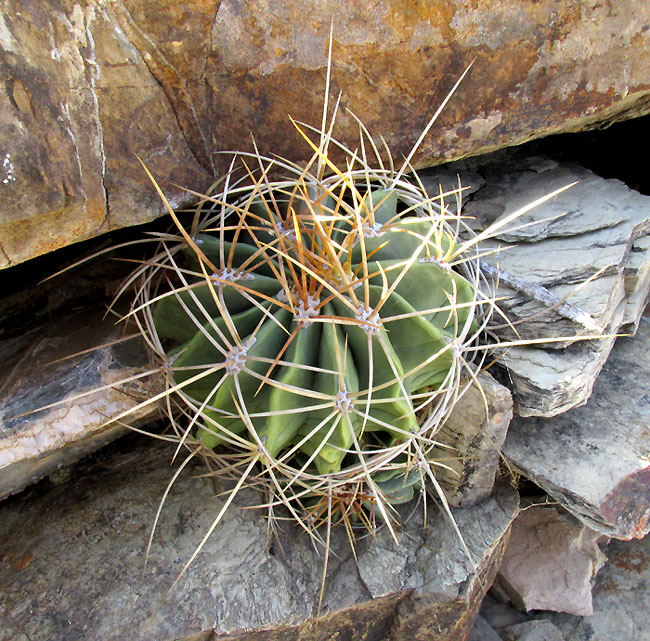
(312, 319)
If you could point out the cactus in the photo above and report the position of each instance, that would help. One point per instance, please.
(317, 322)
(313, 330)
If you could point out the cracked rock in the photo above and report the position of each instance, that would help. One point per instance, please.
(75, 569)
(621, 600)
(549, 562)
(49, 366)
(474, 434)
(595, 459)
(92, 84)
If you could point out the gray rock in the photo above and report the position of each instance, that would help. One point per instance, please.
(482, 631)
(621, 598)
(60, 363)
(474, 433)
(499, 613)
(75, 571)
(532, 631)
(594, 459)
(549, 562)
(596, 226)
(547, 382)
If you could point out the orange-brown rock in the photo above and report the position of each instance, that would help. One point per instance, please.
(90, 84)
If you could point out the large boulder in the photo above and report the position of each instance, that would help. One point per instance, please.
(90, 84)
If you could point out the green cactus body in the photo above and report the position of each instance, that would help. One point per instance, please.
(316, 328)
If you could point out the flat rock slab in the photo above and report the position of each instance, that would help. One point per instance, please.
(621, 605)
(72, 564)
(92, 84)
(597, 228)
(57, 367)
(595, 459)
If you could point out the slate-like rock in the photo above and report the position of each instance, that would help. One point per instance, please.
(532, 631)
(594, 459)
(72, 561)
(474, 434)
(499, 613)
(549, 562)
(90, 84)
(60, 364)
(597, 226)
(482, 631)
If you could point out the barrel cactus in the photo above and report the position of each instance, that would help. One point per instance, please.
(315, 322)
(317, 325)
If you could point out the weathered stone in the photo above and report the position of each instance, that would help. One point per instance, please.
(61, 364)
(482, 631)
(474, 433)
(620, 597)
(75, 569)
(549, 562)
(500, 614)
(90, 84)
(595, 226)
(594, 459)
(532, 631)
(546, 382)
(621, 605)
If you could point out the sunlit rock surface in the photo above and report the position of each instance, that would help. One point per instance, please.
(91, 85)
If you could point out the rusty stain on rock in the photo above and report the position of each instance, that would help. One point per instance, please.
(180, 82)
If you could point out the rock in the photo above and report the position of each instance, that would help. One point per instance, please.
(482, 631)
(597, 226)
(474, 433)
(547, 382)
(90, 84)
(499, 614)
(60, 363)
(75, 569)
(549, 562)
(594, 459)
(620, 597)
(532, 631)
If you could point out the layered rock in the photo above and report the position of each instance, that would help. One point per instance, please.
(91, 84)
(594, 459)
(73, 369)
(577, 265)
(75, 569)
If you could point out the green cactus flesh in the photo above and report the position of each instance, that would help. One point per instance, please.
(328, 375)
